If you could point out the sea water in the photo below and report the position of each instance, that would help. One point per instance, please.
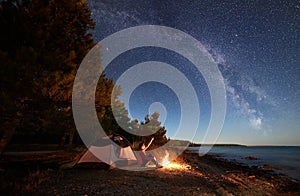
(282, 159)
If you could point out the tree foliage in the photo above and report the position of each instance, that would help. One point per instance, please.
(42, 45)
(147, 129)
(153, 126)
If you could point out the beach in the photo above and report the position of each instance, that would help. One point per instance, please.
(189, 174)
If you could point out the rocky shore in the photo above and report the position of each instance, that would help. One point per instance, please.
(189, 174)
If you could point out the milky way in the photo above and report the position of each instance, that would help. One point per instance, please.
(256, 45)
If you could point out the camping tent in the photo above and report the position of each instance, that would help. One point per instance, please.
(110, 153)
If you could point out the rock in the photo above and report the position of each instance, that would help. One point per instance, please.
(267, 166)
(251, 158)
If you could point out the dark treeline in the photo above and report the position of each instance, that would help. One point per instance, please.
(42, 43)
(198, 145)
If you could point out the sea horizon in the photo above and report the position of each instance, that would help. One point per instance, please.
(247, 145)
(280, 159)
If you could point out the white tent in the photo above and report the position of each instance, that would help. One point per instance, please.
(109, 155)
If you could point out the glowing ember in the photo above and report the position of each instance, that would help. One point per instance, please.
(177, 166)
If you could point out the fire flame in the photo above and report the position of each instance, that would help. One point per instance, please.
(173, 165)
(165, 161)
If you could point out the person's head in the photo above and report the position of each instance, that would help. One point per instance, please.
(142, 146)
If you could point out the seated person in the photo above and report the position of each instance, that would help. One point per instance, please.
(146, 158)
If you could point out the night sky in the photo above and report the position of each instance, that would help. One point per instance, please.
(256, 45)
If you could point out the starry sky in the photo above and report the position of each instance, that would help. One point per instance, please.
(255, 44)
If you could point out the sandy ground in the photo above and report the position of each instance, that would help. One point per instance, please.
(188, 175)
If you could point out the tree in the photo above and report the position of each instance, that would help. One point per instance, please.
(116, 122)
(152, 126)
(42, 45)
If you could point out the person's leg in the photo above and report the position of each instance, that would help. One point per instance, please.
(155, 161)
(144, 163)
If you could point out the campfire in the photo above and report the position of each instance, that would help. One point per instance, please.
(166, 163)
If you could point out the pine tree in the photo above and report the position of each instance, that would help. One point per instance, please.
(42, 45)
(152, 127)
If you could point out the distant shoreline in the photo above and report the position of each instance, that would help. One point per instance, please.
(242, 145)
(198, 145)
